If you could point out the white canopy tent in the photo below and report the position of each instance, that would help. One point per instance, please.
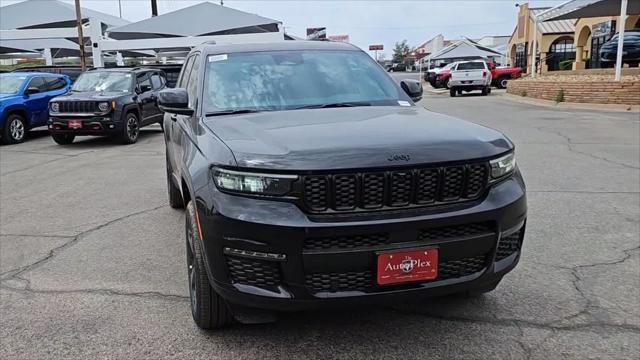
(204, 19)
(574, 9)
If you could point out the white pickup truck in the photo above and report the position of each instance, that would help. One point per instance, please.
(470, 75)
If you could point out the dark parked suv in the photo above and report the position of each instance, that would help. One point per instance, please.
(110, 102)
(310, 179)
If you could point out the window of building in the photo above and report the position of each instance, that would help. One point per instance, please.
(562, 53)
(521, 56)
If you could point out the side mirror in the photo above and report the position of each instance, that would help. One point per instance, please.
(413, 88)
(31, 90)
(175, 101)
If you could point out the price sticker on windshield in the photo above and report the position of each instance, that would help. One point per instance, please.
(221, 57)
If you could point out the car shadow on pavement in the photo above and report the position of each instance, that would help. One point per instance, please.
(95, 141)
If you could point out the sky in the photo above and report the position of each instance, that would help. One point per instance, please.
(366, 22)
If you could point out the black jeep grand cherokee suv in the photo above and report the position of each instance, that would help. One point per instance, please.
(310, 178)
(112, 102)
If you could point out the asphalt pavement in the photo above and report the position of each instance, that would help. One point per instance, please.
(92, 258)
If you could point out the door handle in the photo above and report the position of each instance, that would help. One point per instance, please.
(173, 117)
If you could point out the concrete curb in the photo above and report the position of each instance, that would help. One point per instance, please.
(565, 105)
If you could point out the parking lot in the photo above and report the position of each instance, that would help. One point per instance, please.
(92, 257)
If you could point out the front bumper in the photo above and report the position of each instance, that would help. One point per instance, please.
(99, 125)
(316, 263)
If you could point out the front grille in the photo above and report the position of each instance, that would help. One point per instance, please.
(394, 189)
(340, 242)
(458, 268)
(76, 107)
(364, 280)
(253, 272)
(346, 241)
(508, 245)
(447, 232)
(334, 282)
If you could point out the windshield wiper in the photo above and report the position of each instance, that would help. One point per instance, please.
(335, 105)
(231, 111)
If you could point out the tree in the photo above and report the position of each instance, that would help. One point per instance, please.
(400, 51)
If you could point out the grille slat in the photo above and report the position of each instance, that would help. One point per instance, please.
(394, 189)
(364, 280)
(78, 107)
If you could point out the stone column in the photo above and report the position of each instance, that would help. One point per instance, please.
(579, 64)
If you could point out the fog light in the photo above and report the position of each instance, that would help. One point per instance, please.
(111, 126)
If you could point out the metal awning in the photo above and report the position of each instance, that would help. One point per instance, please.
(589, 8)
(34, 14)
(204, 19)
(464, 49)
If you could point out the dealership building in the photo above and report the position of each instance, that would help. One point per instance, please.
(567, 44)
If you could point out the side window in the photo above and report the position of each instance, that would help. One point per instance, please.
(144, 81)
(184, 75)
(38, 82)
(156, 81)
(55, 83)
(192, 85)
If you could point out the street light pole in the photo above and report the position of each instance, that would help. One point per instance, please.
(120, 8)
(83, 61)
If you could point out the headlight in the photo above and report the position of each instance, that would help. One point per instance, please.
(252, 183)
(104, 106)
(55, 107)
(502, 166)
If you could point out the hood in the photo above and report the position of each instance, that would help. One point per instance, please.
(90, 95)
(349, 138)
(6, 97)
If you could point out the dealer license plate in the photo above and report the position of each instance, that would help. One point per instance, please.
(74, 124)
(407, 265)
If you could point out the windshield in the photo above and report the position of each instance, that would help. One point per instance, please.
(11, 84)
(103, 81)
(279, 80)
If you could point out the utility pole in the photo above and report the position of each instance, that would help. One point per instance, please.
(83, 61)
(120, 8)
(221, 2)
(154, 7)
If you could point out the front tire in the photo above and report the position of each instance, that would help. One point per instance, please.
(502, 83)
(63, 139)
(209, 310)
(15, 129)
(130, 129)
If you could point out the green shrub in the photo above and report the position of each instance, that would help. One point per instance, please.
(559, 96)
(566, 65)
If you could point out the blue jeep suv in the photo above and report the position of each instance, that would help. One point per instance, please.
(24, 101)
